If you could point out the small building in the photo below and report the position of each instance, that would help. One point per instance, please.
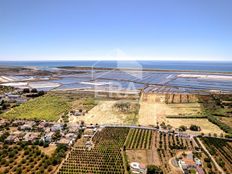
(18, 122)
(88, 133)
(56, 127)
(31, 136)
(79, 112)
(15, 137)
(4, 122)
(71, 136)
(47, 130)
(12, 139)
(197, 161)
(64, 141)
(91, 126)
(89, 145)
(43, 125)
(138, 168)
(186, 163)
(73, 128)
(48, 136)
(27, 126)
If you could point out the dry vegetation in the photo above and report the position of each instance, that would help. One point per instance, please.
(153, 109)
(205, 125)
(109, 112)
(226, 120)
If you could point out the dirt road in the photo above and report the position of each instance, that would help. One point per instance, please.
(211, 157)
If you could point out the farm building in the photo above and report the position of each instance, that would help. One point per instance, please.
(137, 168)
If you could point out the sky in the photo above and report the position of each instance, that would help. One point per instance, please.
(116, 29)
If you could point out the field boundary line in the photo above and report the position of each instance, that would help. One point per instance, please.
(211, 157)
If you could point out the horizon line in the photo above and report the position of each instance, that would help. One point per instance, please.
(61, 60)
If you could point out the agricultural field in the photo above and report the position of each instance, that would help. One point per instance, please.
(139, 139)
(158, 148)
(28, 159)
(226, 120)
(104, 157)
(111, 112)
(221, 150)
(218, 109)
(138, 146)
(205, 125)
(50, 107)
(153, 109)
(167, 145)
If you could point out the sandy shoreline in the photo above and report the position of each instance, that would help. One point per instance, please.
(143, 69)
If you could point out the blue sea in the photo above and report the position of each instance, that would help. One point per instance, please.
(211, 66)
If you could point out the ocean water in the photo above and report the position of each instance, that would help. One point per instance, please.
(210, 66)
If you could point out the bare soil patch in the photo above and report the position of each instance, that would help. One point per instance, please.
(104, 113)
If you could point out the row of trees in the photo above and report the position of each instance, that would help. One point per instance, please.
(193, 127)
(222, 125)
(33, 92)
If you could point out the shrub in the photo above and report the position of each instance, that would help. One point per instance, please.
(207, 160)
(195, 128)
(209, 165)
(152, 169)
(182, 128)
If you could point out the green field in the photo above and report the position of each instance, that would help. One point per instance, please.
(48, 107)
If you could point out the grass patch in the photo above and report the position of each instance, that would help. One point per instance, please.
(86, 103)
(215, 109)
(48, 107)
(131, 119)
(186, 117)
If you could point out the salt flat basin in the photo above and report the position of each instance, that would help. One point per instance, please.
(42, 84)
(213, 77)
(96, 83)
(15, 84)
(6, 79)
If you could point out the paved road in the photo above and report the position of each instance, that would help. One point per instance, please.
(211, 157)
